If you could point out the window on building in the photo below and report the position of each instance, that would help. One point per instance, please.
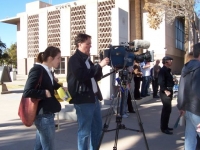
(61, 67)
(180, 33)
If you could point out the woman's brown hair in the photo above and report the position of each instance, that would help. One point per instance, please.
(50, 51)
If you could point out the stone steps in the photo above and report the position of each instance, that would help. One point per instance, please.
(68, 111)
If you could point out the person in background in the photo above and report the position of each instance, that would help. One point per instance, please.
(145, 67)
(137, 80)
(165, 80)
(124, 102)
(188, 98)
(129, 103)
(175, 88)
(130, 88)
(155, 71)
(82, 78)
(48, 104)
(189, 57)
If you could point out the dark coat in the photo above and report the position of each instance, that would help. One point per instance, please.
(79, 79)
(189, 88)
(165, 79)
(49, 105)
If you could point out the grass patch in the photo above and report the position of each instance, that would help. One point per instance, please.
(61, 79)
(12, 86)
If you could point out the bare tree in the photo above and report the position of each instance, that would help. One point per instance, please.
(171, 9)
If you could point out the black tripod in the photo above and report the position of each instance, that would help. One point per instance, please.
(119, 125)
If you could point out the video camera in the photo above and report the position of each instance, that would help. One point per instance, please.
(122, 56)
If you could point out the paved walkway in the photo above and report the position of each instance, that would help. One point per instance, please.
(15, 136)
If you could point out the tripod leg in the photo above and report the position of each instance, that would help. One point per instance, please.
(108, 118)
(100, 140)
(139, 119)
(106, 125)
(116, 137)
(119, 116)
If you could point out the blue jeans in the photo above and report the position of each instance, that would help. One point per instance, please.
(89, 125)
(45, 134)
(145, 85)
(192, 121)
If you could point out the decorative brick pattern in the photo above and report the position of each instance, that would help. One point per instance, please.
(78, 23)
(53, 27)
(104, 24)
(33, 36)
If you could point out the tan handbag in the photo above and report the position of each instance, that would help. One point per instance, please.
(28, 107)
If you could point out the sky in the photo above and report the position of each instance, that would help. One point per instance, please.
(9, 9)
(197, 8)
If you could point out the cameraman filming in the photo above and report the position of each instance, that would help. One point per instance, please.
(82, 77)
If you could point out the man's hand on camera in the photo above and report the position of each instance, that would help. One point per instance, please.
(104, 62)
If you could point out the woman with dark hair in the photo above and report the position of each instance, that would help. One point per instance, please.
(48, 104)
(82, 78)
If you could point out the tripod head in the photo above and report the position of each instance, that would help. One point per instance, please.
(124, 78)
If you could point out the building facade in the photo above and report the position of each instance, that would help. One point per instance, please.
(107, 21)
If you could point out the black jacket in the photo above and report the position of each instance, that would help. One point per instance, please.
(189, 88)
(49, 105)
(165, 79)
(79, 79)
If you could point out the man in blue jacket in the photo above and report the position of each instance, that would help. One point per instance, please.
(189, 98)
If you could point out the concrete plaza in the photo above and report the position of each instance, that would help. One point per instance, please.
(15, 136)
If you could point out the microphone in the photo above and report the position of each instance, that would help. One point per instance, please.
(140, 44)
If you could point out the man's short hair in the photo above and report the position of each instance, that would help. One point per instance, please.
(81, 38)
(196, 50)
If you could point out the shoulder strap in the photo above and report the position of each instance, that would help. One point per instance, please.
(40, 79)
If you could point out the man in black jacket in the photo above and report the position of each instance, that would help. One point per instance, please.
(189, 97)
(165, 80)
(82, 77)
